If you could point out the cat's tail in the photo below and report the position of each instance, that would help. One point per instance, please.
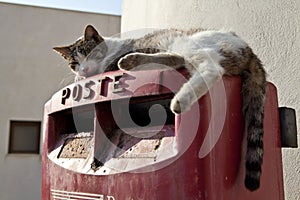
(253, 89)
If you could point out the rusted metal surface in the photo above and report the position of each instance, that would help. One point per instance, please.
(144, 144)
(138, 148)
(76, 148)
(134, 149)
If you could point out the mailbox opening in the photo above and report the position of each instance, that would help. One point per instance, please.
(99, 138)
(141, 111)
(128, 133)
(73, 120)
(72, 141)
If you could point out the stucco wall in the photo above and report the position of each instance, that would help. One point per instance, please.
(30, 73)
(272, 29)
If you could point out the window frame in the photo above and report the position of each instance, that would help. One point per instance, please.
(12, 125)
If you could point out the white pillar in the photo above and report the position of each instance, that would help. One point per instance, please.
(271, 28)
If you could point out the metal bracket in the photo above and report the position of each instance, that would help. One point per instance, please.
(288, 127)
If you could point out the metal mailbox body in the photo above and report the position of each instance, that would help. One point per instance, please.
(209, 152)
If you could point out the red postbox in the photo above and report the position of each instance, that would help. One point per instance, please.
(112, 136)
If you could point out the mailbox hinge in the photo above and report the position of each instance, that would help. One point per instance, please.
(288, 127)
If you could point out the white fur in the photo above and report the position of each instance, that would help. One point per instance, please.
(206, 73)
(212, 40)
(113, 44)
(201, 50)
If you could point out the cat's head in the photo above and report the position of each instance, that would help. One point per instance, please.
(78, 54)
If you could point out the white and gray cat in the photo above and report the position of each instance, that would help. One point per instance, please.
(207, 55)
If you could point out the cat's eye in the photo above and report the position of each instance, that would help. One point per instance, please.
(74, 63)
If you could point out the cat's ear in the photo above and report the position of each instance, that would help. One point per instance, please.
(64, 51)
(91, 33)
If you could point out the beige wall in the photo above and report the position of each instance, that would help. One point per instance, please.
(30, 73)
(272, 28)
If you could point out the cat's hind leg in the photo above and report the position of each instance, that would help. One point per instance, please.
(203, 78)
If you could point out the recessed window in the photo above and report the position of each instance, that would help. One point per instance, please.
(24, 137)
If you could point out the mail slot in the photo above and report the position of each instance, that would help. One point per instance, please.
(113, 136)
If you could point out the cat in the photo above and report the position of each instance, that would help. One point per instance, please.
(207, 56)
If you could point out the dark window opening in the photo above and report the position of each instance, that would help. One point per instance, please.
(24, 137)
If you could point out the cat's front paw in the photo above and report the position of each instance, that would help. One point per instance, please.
(129, 61)
(175, 106)
(179, 106)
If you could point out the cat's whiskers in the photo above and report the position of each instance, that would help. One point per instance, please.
(67, 79)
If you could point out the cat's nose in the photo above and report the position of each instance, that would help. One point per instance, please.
(85, 70)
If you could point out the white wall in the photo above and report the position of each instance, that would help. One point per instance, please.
(272, 28)
(30, 73)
